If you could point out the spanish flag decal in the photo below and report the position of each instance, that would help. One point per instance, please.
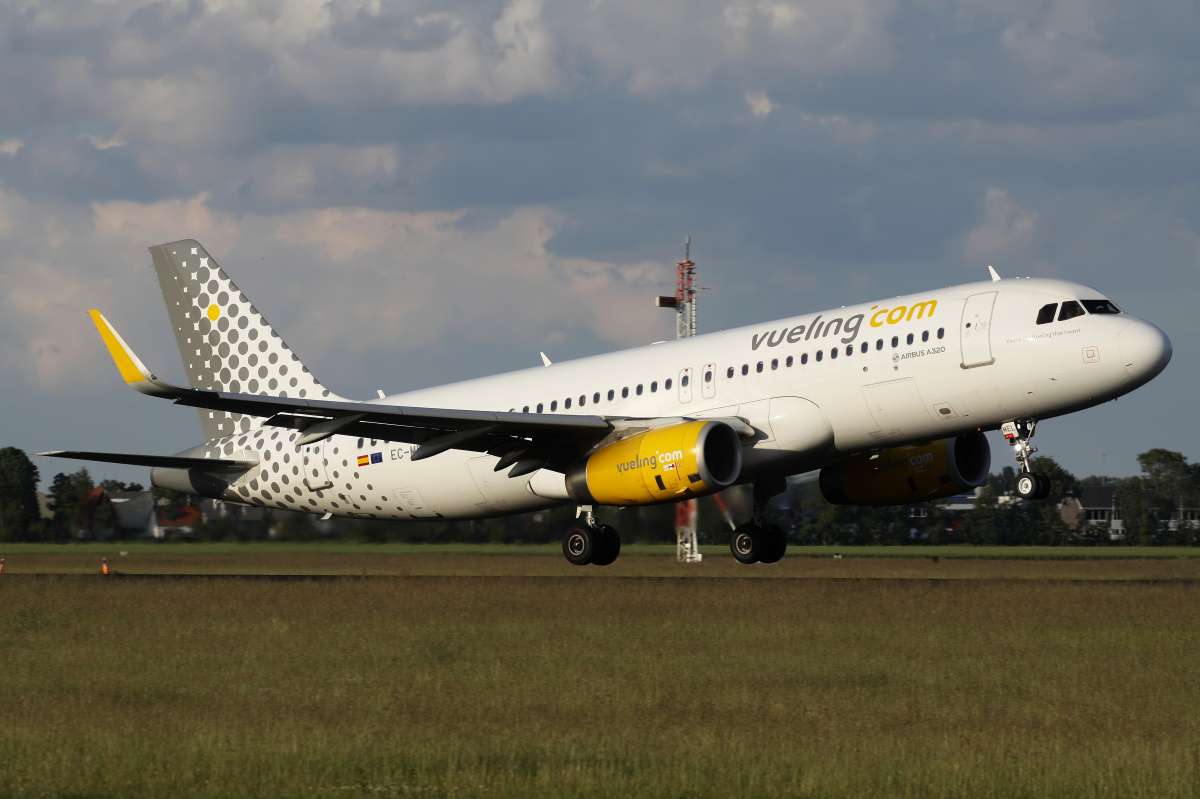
(363, 460)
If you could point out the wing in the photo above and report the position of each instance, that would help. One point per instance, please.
(161, 461)
(526, 441)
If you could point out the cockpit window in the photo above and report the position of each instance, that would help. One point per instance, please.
(1046, 315)
(1100, 306)
(1070, 309)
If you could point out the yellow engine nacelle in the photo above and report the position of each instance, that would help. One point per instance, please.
(914, 473)
(684, 460)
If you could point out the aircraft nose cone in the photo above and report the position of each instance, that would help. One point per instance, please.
(1145, 350)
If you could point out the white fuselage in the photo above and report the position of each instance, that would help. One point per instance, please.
(914, 368)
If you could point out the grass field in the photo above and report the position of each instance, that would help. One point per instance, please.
(938, 563)
(578, 685)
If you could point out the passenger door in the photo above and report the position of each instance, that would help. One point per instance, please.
(976, 329)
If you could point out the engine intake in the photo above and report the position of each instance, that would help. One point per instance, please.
(912, 473)
(685, 460)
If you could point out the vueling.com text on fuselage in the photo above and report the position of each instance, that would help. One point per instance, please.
(846, 328)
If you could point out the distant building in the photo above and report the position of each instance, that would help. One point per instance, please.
(179, 523)
(1096, 507)
(134, 510)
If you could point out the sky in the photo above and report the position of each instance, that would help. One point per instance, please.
(415, 192)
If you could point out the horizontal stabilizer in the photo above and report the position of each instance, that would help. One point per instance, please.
(160, 461)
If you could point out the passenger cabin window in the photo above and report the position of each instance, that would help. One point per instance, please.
(832, 353)
(1070, 309)
(539, 407)
(804, 359)
(790, 360)
(745, 369)
(525, 409)
(865, 346)
(639, 389)
(1046, 315)
(895, 342)
(941, 332)
(774, 364)
(729, 373)
(554, 405)
(879, 344)
(596, 397)
(566, 403)
(667, 384)
(654, 386)
(924, 335)
(625, 392)
(819, 354)
(849, 349)
(1100, 306)
(610, 395)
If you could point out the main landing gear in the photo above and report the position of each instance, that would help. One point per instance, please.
(1029, 485)
(590, 542)
(756, 541)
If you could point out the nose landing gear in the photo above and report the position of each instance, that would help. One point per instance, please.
(1029, 485)
(591, 542)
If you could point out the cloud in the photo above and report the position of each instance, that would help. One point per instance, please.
(10, 146)
(359, 281)
(760, 104)
(1006, 229)
(118, 139)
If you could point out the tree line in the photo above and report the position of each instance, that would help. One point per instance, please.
(1158, 508)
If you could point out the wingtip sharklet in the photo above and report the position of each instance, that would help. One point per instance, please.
(128, 364)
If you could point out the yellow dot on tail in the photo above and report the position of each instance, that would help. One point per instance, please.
(213, 312)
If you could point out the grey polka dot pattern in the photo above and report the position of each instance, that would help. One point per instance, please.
(225, 342)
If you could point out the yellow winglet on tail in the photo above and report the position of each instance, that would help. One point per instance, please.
(131, 368)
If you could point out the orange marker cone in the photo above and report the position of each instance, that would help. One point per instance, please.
(104, 565)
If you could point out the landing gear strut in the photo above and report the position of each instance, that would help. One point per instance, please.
(1029, 485)
(591, 542)
(756, 541)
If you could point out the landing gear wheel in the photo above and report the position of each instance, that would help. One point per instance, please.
(610, 546)
(581, 544)
(1043, 486)
(748, 543)
(776, 544)
(1027, 485)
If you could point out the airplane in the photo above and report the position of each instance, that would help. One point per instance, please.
(888, 400)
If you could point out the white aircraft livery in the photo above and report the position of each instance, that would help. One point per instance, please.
(889, 400)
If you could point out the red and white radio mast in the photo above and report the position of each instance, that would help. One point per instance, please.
(687, 545)
(684, 301)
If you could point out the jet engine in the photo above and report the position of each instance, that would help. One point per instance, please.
(680, 461)
(912, 473)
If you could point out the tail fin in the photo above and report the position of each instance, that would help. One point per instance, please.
(225, 342)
